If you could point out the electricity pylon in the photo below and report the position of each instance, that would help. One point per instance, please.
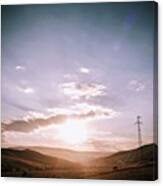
(138, 123)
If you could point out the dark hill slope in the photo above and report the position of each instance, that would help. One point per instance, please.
(17, 163)
(140, 163)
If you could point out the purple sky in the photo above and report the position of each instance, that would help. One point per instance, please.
(90, 62)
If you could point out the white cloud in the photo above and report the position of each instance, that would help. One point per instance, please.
(83, 90)
(80, 111)
(67, 76)
(84, 70)
(26, 90)
(19, 67)
(136, 85)
(93, 111)
(34, 115)
(85, 111)
(58, 110)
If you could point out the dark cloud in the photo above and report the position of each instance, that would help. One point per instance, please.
(31, 124)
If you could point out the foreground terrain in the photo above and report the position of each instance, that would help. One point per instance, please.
(137, 164)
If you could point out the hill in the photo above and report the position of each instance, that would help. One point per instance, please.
(139, 155)
(140, 163)
(27, 163)
(70, 155)
(136, 164)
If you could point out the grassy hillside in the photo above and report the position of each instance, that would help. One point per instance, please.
(140, 163)
(17, 163)
(143, 154)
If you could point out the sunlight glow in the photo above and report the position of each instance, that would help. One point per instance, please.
(73, 132)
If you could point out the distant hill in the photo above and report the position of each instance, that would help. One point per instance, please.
(140, 163)
(70, 155)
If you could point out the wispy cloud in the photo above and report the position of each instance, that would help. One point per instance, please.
(34, 115)
(67, 76)
(70, 76)
(80, 111)
(85, 111)
(26, 90)
(84, 70)
(20, 68)
(83, 90)
(136, 85)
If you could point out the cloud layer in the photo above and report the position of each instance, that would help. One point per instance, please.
(82, 111)
(82, 90)
(136, 85)
(26, 90)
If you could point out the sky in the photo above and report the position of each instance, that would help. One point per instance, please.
(88, 65)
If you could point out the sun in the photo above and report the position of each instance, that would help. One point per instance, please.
(73, 132)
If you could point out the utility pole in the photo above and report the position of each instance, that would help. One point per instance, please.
(2, 138)
(139, 123)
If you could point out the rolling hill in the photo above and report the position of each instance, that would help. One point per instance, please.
(140, 163)
(70, 155)
(28, 163)
(136, 164)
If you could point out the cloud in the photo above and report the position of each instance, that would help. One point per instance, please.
(83, 90)
(20, 68)
(91, 111)
(21, 107)
(70, 76)
(26, 90)
(36, 120)
(84, 70)
(34, 115)
(27, 125)
(85, 111)
(136, 85)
